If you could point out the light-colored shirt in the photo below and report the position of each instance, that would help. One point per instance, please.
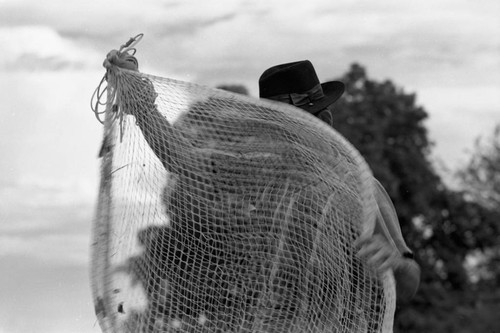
(387, 223)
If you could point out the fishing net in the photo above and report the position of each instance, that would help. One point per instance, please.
(219, 212)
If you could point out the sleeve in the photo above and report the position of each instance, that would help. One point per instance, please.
(387, 223)
(138, 98)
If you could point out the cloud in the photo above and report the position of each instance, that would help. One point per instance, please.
(107, 24)
(41, 48)
(46, 220)
(219, 41)
(48, 130)
(39, 296)
(42, 205)
(65, 249)
(191, 25)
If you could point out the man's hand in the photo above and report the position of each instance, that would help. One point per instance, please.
(122, 60)
(378, 253)
(381, 257)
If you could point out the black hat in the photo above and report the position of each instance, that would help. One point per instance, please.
(296, 83)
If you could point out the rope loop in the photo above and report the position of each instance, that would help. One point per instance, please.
(99, 98)
(129, 45)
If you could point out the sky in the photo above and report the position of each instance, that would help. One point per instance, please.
(445, 51)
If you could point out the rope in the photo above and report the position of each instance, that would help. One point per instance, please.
(129, 45)
(124, 54)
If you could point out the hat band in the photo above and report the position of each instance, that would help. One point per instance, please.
(297, 99)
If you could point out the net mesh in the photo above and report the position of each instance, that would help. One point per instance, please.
(223, 213)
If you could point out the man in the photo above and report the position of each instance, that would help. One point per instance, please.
(297, 84)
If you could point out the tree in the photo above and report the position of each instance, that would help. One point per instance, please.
(384, 123)
(480, 180)
(481, 177)
(236, 88)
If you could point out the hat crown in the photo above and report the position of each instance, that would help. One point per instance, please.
(293, 77)
(296, 83)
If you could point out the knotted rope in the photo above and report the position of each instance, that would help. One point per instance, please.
(124, 57)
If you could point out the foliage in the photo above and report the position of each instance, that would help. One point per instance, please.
(480, 180)
(481, 177)
(440, 225)
(235, 88)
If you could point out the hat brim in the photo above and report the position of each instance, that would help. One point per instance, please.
(332, 91)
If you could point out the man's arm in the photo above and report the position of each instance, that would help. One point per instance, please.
(139, 101)
(386, 248)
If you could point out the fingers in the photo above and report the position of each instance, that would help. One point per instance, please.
(382, 260)
(110, 58)
(122, 60)
(377, 252)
